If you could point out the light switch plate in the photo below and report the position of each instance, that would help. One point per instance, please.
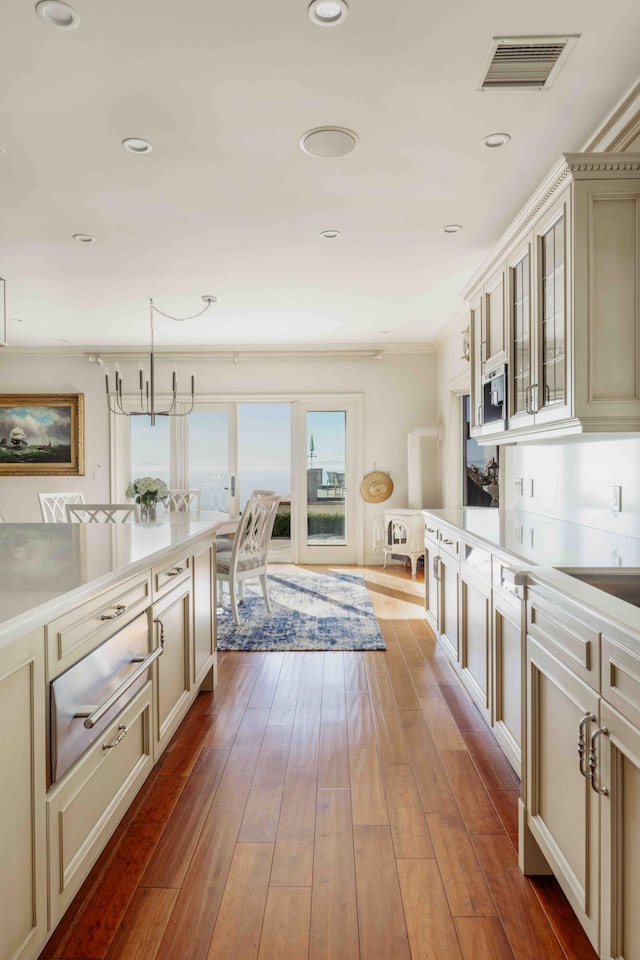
(616, 499)
(529, 487)
(518, 484)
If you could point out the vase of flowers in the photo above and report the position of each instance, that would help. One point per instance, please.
(147, 491)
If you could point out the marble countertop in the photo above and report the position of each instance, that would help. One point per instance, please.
(45, 567)
(544, 541)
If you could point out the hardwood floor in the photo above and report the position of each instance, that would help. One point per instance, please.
(325, 806)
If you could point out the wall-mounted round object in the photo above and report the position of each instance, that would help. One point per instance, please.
(376, 487)
(328, 143)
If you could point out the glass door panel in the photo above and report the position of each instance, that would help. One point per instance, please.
(553, 297)
(265, 463)
(212, 456)
(521, 319)
(150, 448)
(326, 471)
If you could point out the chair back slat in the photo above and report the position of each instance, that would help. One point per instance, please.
(52, 505)
(180, 501)
(102, 512)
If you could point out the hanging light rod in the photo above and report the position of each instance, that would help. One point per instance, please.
(147, 386)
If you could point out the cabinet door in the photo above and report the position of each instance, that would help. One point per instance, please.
(522, 341)
(562, 807)
(23, 880)
(431, 583)
(619, 773)
(204, 636)
(172, 617)
(475, 639)
(494, 347)
(449, 577)
(551, 387)
(477, 365)
(507, 675)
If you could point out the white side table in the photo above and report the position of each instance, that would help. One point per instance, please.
(404, 536)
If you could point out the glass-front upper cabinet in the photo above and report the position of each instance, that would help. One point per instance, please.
(521, 336)
(552, 304)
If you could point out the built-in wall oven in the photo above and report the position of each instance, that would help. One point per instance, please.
(494, 398)
(90, 694)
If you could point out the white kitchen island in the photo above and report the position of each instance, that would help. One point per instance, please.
(65, 590)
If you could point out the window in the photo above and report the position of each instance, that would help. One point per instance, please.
(149, 448)
(481, 469)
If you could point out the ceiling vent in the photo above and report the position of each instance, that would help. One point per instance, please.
(524, 63)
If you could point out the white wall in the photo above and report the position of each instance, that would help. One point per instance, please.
(454, 378)
(399, 392)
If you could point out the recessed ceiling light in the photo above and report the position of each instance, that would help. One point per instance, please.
(57, 14)
(326, 13)
(328, 142)
(330, 234)
(84, 238)
(137, 145)
(496, 140)
(452, 228)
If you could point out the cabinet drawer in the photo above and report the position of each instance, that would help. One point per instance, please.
(571, 640)
(621, 678)
(449, 541)
(166, 575)
(84, 808)
(504, 577)
(73, 635)
(431, 530)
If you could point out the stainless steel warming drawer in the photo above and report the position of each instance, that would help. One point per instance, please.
(88, 696)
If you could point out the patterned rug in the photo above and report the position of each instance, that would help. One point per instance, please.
(311, 611)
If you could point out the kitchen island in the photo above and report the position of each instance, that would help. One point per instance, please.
(67, 593)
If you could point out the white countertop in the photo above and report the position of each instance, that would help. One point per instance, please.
(44, 567)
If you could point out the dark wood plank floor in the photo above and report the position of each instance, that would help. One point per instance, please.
(326, 806)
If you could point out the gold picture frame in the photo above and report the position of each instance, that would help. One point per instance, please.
(42, 434)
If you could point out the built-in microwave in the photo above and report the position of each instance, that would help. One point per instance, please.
(494, 398)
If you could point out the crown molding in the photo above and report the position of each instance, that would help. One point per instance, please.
(571, 166)
(621, 127)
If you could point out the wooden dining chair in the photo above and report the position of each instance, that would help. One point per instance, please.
(247, 558)
(52, 505)
(102, 512)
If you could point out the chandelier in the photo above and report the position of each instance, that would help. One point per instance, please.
(147, 386)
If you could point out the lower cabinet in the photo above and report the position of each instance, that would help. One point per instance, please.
(204, 613)
(86, 806)
(562, 807)
(475, 637)
(23, 877)
(507, 667)
(448, 624)
(172, 620)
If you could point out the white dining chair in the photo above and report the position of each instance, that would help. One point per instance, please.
(102, 512)
(247, 558)
(181, 501)
(52, 505)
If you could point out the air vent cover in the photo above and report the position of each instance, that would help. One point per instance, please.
(524, 63)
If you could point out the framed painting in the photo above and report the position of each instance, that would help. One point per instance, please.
(3, 314)
(42, 434)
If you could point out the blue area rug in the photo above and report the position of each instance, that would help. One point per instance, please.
(311, 611)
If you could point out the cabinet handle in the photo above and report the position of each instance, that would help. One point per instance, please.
(120, 609)
(593, 761)
(582, 744)
(114, 743)
(448, 542)
(435, 568)
(480, 415)
(161, 637)
(547, 393)
(431, 530)
(175, 571)
(534, 406)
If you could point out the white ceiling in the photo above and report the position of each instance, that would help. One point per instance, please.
(228, 204)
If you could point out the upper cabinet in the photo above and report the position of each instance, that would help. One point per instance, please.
(558, 302)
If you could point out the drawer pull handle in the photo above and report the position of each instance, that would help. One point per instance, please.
(582, 744)
(175, 571)
(120, 609)
(114, 743)
(91, 716)
(593, 761)
(448, 542)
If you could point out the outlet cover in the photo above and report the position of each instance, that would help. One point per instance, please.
(518, 484)
(529, 487)
(616, 499)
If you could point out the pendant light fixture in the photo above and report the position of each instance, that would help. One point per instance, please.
(147, 385)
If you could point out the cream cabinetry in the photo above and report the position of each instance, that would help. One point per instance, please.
(172, 620)
(507, 662)
(23, 871)
(583, 764)
(569, 279)
(475, 627)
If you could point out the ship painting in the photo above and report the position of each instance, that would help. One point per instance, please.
(40, 434)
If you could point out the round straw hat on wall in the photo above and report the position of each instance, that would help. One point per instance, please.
(376, 487)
